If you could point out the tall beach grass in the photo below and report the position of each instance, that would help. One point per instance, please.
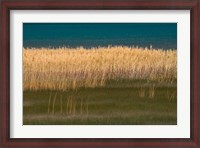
(66, 68)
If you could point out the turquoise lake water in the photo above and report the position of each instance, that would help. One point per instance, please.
(157, 35)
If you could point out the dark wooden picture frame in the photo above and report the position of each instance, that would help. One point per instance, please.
(192, 5)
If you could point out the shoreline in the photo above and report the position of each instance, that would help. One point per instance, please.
(150, 47)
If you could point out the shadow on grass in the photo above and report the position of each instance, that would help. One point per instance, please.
(111, 105)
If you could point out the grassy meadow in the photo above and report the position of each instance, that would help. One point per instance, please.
(99, 86)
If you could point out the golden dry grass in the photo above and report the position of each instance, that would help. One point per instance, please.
(64, 68)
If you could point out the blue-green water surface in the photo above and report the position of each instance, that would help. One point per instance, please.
(157, 35)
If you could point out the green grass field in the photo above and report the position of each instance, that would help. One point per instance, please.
(117, 103)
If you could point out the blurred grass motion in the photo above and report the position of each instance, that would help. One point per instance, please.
(99, 86)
